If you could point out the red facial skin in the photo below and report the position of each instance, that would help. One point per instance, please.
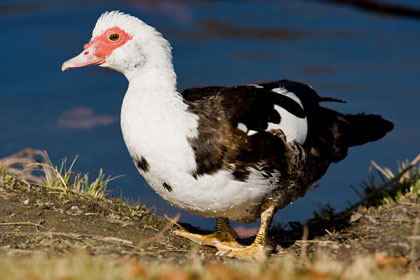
(97, 50)
(104, 46)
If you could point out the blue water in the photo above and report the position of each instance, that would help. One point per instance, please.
(368, 59)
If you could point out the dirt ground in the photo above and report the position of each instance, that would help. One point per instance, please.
(34, 219)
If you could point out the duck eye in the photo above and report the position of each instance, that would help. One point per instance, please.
(114, 37)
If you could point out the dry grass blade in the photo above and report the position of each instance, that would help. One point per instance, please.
(116, 240)
(385, 171)
(414, 240)
(393, 180)
(303, 256)
(79, 236)
(22, 223)
(22, 164)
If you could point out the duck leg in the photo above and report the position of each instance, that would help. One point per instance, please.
(224, 238)
(258, 249)
(224, 234)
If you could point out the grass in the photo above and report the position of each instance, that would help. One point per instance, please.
(60, 182)
(83, 266)
(64, 179)
(35, 166)
(391, 187)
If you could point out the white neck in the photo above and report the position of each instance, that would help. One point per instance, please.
(155, 64)
(153, 85)
(154, 118)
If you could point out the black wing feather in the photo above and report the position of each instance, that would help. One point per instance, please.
(221, 145)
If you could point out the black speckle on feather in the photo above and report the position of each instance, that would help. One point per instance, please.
(167, 186)
(142, 164)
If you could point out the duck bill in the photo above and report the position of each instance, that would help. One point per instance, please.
(85, 58)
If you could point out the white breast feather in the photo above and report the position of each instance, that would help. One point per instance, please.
(216, 195)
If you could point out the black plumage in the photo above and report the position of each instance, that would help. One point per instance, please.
(220, 144)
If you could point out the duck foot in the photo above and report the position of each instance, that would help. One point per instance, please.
(224, 238)
(224, 235)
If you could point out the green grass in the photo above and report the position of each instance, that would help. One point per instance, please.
(64, 179)
(391, 187)
(34, 166)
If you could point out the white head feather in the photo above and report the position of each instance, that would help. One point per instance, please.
(146, 50)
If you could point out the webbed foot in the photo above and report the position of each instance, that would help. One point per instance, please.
(224, 238)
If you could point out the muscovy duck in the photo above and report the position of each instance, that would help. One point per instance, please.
(239, 152)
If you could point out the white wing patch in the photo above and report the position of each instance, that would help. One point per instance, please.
(251, 132)
(295, 129)
(285, 92)
(243, 127)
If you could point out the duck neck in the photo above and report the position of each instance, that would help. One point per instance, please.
(152, 76)
(154, 86)
(155, 120)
